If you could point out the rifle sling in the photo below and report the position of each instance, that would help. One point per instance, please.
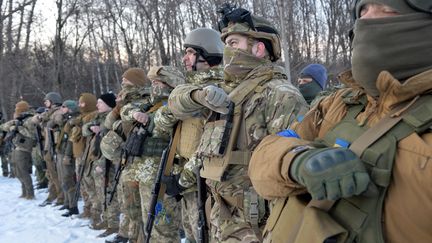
(170, 160)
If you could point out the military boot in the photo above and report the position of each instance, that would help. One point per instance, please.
(42, 185)
(118, 239)
(108, 231)
(70, 212)
(5, 174)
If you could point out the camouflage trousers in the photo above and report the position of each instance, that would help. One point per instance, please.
(68, 181)
(132, 205)
(230, 219)
(40, 166)
(23, 170)
(54, 188)
(88, 182)
(124, 216)
(189, 211)
(83, 186)
(168, 216)
(111, 213)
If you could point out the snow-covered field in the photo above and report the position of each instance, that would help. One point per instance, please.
(24, 221)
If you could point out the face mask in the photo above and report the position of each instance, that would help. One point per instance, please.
(310, 91)
(399, 45)
(238, 64)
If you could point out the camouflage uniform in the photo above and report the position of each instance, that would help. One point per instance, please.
(23, 142)
(190, 133)
(265, 102)
(80, 146)
(3, 153)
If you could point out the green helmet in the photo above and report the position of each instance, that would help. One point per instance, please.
(207, 43)
(167, 74)
(54, 97)
(241, 21)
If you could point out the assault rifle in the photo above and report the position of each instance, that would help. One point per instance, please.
(52, 145)
(202, 196)
(106, 182)
(12, 134)
(133, 147)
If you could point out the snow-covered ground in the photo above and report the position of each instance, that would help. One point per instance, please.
(24, 221)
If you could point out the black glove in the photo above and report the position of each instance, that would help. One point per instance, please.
(173, 188)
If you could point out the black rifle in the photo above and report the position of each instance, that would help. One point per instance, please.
(202, 196)
(133, 147)
(52, 145)
(155, 192)
(12, 134)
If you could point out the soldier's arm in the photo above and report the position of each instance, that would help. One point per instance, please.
(187, 176)
(86, 129)
(182, 105)
(164, 120)
(272, 158)
(283, 105)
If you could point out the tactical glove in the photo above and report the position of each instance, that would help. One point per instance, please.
(330, 173)
(173, 188)
(213, 98)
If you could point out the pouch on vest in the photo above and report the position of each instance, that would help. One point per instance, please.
(292, 221)
(190, 135)
(215, 138)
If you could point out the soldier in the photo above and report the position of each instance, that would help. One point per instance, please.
(134, 92)
(69, 111)
(355, 169)
(203, 54)
(100, 166)
(312, 80)
(52, 102)
(20, 132)
(81, 147)
(255, 100)
(111, 147)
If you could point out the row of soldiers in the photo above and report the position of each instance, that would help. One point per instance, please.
(344, 171)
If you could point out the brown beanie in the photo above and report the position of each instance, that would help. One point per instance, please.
(136, 76)
(21, 107)
(90, 102)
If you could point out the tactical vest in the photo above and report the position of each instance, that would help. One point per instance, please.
(214, 163)
(358, 218)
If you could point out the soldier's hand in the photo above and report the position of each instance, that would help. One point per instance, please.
(213, 98)
(141, 117)
(95, 129)
(330, 173)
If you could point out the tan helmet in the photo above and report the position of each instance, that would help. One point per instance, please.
(207, 43)
(167, 74)
(241, 21)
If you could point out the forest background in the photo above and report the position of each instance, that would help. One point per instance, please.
(93, 42)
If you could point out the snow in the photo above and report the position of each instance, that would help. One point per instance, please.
(23, 220)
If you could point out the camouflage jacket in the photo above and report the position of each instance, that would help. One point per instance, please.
(24, 139)
(271, 107)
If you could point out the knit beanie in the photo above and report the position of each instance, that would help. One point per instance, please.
(90, 102)
(136, 76)
(317, 72)
(71, 104)
(109, 99)
(21, 107)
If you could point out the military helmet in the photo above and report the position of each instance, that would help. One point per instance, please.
(54, 97)
(207, 43)
(167, 74)
(241, 21)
